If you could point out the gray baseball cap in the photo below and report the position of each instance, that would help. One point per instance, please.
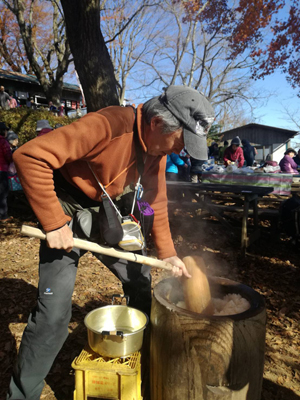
(196, 114)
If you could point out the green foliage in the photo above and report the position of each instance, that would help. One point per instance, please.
(214, 134)
(23, 120)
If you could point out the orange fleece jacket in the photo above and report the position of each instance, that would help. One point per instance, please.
(105, 140)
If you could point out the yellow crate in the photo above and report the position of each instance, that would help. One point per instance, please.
(107, 378)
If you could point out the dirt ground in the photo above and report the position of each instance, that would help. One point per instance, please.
(271, 267)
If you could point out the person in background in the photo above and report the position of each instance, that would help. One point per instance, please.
(78, 111)
(287, 164)
(213, 150)
(43, 127)
(234, 153)
(28, 102)
(174, 162)
(184, 173)
(13, 140)
(52, 108)
(5, 161)
(61, 111)
(12, 102)
(249, 152)
(297, 159)
(4, 99)
(222, 150)
(33, 104)
(196, 169)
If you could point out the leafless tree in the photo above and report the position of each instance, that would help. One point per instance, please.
(128, 30)
(50, 62)
(184, 53)
(292, 115)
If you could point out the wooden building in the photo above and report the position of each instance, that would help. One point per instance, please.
(268, 140)
(27, 86)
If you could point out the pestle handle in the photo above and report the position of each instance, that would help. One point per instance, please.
(96, 248)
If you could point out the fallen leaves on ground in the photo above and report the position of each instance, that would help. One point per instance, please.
(271, 268)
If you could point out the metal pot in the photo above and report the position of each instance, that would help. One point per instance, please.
(116, 330)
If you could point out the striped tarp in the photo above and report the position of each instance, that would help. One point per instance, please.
(280, 182)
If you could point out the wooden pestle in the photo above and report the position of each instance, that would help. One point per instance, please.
(196, 289)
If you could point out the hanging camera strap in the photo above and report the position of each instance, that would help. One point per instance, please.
(106, 201)
(138, 190)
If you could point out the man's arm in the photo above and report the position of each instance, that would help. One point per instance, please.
(36, 160)
(61, 238)
(156, 194)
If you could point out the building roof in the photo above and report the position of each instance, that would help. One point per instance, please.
(17, 76)
(260, 134)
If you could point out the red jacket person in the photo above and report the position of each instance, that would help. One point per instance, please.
(234, 153)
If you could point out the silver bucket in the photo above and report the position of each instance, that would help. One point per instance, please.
(116, 330)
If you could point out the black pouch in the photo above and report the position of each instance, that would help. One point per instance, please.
(110, 226)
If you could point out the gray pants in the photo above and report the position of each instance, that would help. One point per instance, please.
(47, 327)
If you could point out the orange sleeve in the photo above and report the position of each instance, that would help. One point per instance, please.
(154, 182)
(36, 160)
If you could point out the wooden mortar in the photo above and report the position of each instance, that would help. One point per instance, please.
(205, 357)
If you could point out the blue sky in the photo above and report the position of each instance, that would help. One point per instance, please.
(272, 112)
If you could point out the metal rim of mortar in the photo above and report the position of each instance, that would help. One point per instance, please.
(257, 303)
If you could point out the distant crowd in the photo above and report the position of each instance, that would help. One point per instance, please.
(8, 101)
(182, 167)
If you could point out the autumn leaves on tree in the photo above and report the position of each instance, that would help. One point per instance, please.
(215, 46)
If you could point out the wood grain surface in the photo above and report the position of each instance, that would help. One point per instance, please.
(199, 357)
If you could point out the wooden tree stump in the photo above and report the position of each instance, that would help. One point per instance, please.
(199, 357)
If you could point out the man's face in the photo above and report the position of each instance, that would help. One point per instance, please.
(1, 88)
(160, 144)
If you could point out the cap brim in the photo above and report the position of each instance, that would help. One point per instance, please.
(196, 146)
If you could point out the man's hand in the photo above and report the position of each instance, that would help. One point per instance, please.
(61, 239)
(228, 162)
(179, 268)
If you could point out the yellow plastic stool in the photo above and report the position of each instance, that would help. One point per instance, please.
(107, 378)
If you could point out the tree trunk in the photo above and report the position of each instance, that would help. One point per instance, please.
(53, 93)
(91, 57)
(198, 357)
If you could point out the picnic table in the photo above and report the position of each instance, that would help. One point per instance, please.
(248, 194)
(280, 182)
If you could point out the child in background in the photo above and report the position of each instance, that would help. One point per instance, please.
(13, 140)
(173, 162)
